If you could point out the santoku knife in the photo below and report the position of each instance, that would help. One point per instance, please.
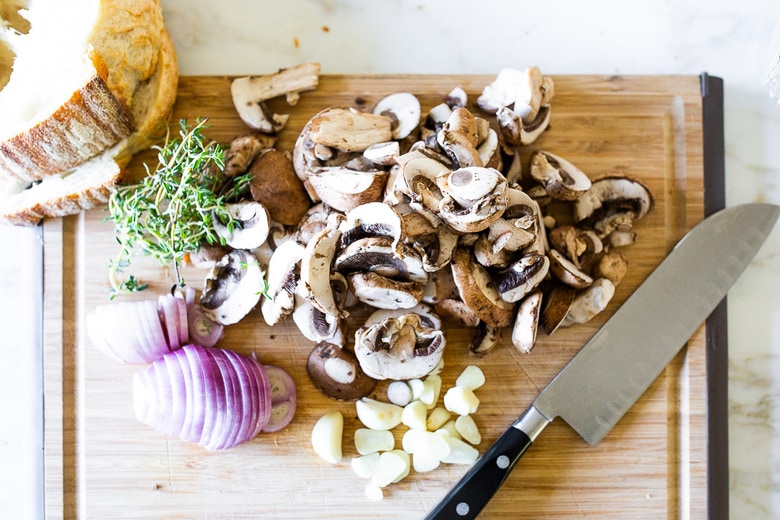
(598, 386)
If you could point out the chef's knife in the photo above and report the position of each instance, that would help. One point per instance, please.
(598, 386)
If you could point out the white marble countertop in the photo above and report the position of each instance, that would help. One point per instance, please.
(737, 41)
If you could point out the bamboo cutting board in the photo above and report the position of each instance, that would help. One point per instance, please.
(102, 463)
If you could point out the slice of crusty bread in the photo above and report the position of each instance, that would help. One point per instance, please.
(134, 56)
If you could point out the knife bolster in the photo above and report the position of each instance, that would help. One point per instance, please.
(532, 422)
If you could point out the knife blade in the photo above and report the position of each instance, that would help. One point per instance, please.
(617, 365)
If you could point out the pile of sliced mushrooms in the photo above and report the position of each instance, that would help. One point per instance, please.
(422, 217)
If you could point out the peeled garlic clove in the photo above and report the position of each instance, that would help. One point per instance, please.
(370, 441)
(365, 465)
(460, 400)
(437, 418)
(415, 415)
(391, 467)
(460, 452)
(431, 390)
(468, 429)
(374, 492)
(472, 378)
(326, 436)
(378, 415)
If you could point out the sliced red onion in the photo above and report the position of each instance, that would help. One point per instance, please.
(118, 336)
(218, 398)
(169, 316)
(202, 330)
(284, 398)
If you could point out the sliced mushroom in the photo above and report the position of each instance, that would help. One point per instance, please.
(252, 224)
(377, 254)
(249, 94)
(434, 242)
(523, 276)
(560, 178)
(232, 288)
(516, 229)
(517, 133)
(399, 348)
(383, 154)
(526, 324)
(336, 373)
(613, 203)
(534, 92)
(589, 302)
(459, 138)
(316, 325)
(417, 180)
(612, 266)
(580, 246)
(243, 150)
(502, 91)
(282, 280)
(567, 272)
(349, 130)
(557, 307)
(373, 219)
(345, 189)
(314, 221)
(383, 292)
(474, 198)
(478, 291)
(485, 339)
(275, 185)
(403, 109)
(316, 271)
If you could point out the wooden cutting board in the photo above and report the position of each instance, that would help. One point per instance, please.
(102, 463)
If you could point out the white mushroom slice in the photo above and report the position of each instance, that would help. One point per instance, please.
(516, 132)
(252, 224)
(577, 245)
(485, 339)
(560, 178)
(232, 288)
(335, 372)
(611, 265)
(344, 189)
(530, 94)
(613, 203)
(376, 254)
(399, 348)
(249, 93)
(589, 302)
(565, 270)
(478, 291)
(316, 325)
(314, 221)
(385, 293)
(417, 180)
(523, 276)
(527, 322)
(459, 137)
(315, 271)
(383, 154)
(558, 304)
(488, 150)
(427, 316)
(349, 130)
(475, 198)
(282, 280)
(373, 219)
(403, 108)
(502, 91)
(457, 97)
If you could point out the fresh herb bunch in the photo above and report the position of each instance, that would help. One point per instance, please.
(173, 210)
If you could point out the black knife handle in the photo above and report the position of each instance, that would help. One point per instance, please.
(480, 483)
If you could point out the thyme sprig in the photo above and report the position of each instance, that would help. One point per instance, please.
(172, 211)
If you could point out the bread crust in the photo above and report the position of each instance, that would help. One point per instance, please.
(141, 82)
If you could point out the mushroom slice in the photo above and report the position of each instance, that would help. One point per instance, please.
(517, 133)
(560, 178)
(502, 91)
(399, 348)
(523, 276)
(456, 309)
(249, 93)
(373, 219)
(434, 242)
(314, 221)
(589, 302)
(349, 130)
(385, 293)
(478, 290)
(611, 265)
(377, 254)
(232, 288)
(403, 109)
(336, 372)
(580, 246)
(557, 308)
(383, 154)
(282, 281)
(428, 317)
(243, 150)
(613, 203)
(417, 180)
(474, 199)
(344, 189)
(316, 325)
(275, 184)
(485, 339)
(527, 322)
(316, 270)
(534, 92)
(252, 225)
(459, 137)
(565, 270)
